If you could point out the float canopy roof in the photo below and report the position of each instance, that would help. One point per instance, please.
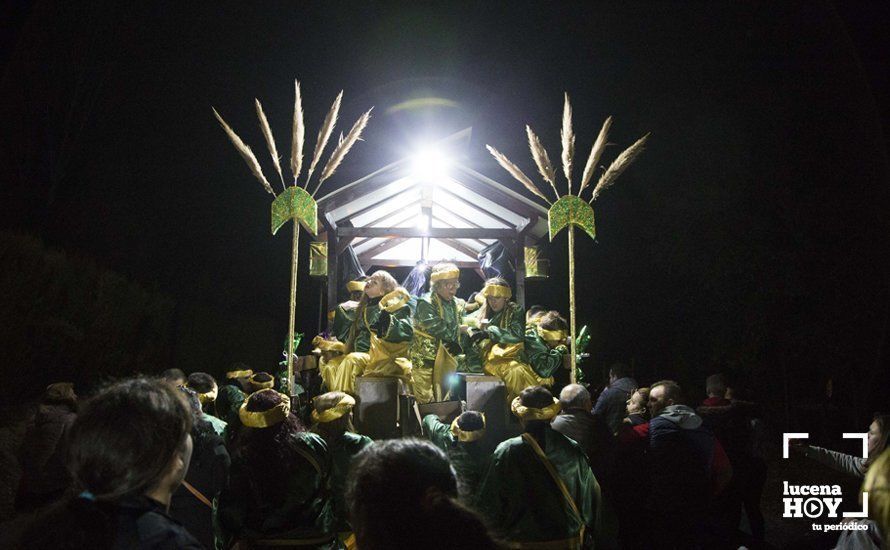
(428, 208)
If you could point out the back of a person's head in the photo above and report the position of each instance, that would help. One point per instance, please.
(552, 320)
(175, 376)
(201, 382)
(401, 494)
(619, 370)
(575, 396)
(124, 438)
(120, 446)
(261, 380)
(266, 436)
(471, 421)
(715, 385)
(536, 397)
(334, 423)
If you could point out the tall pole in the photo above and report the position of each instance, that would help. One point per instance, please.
(295, 257)
(574, 375)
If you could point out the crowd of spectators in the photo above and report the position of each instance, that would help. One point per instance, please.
(183, 462)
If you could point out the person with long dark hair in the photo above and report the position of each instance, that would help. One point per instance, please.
(279, 488)
(402, 493)
(129, 450)
(539, 489)
(332, 415)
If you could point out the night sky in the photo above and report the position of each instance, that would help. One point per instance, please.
(750, 237)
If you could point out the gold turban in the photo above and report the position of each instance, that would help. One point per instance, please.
(264, 419)
(531, 413)
(496, 291)
(467, 436)
(346, 403)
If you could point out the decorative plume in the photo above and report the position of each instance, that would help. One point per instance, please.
(618, 166)
(246, 153)
(595, 153)
(343, 147)
(568, 142)
(325, 133)
(299, 134)
(516, 172)
(270, 140)
(542, 159)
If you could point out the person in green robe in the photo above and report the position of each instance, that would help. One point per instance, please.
(379, 336)
(462, 442)
(438, 328)
(332, 415)
(344, 313)
(546, 344)
(497, 337)
(278, 491)
(231, 396)
(539, 491)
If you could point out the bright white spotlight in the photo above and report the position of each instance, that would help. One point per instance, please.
(423, 222)
(429, 166)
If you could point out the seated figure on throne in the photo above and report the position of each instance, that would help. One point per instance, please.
(437, 333)
(495, 341)
(378, 338)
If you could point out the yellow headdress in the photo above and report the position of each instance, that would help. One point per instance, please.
(355, 286)
(345, 405)
(467, 436)
(257, 385)
(239, 374)
(264, 419)
(496, 291)
(553, 337)
(447, 271)
(531, 413)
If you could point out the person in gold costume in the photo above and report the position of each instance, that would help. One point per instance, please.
(378, 339)
(497, 340)
(437, 333)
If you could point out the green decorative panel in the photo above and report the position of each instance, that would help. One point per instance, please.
(571, 210)
(295, 204)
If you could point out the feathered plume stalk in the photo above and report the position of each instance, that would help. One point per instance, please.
(618, 166)
(245, 153)
(343, 147)
(595, 153)
(516, 172)
(568, 142)
(324, 134)
(270, 140)
(299, 134)
(542, 159)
